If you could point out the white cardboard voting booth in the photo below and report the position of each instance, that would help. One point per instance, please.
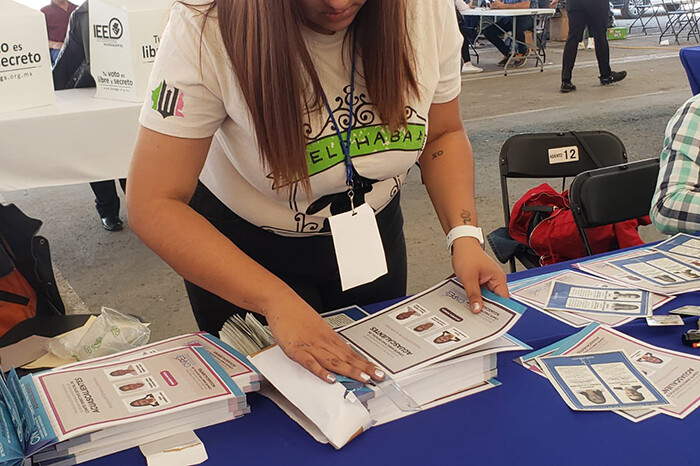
(124, 40)
(25, 65)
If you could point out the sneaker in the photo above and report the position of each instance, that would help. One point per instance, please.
(518, 61)
(615, 76)
(591, 43)
(567, 86)
(469, 68)
(503, 61)
(581, 46)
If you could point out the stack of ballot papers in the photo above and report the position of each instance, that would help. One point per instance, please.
(669, 268)
(432, 348)
(94, 408)
(578, 299)
(617, 288)
(602, 368)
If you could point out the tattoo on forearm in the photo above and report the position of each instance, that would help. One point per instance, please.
(437, 154)
(466, 216)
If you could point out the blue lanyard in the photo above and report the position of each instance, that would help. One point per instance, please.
(345, 145)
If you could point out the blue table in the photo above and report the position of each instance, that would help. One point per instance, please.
(522, 422)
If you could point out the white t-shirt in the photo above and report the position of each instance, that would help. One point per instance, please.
(197, 97)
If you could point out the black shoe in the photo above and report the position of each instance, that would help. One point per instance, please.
(112, 223)
(567, 86)
(615, 76)
(503, 61)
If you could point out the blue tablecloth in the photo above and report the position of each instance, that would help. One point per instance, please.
(690, 57)
(522, 422)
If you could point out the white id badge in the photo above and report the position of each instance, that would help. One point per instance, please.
(358, 247)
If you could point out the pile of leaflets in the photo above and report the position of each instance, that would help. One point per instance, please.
(618, 288)
(94, 408)
(600, 368)
(431, 347)
(669, 268)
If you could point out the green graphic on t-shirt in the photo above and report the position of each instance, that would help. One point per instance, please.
(326, 152)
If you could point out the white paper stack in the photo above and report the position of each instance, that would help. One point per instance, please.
(90, 409)
(432, 348)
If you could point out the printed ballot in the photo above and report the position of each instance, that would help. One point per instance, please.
(89, 409)
(600, 381)
(25, 66)
(669, 268)
(617, 301)
(233, 362)
(683, 245)
(124, 40)
(535, 292)
(677, 375)
(432, 347)
(429, 327)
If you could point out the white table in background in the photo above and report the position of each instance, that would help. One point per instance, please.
(77, 140)
(536, 13)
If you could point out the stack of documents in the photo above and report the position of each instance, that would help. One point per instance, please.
(431, 346)
(90, 409)
(669, 268)
(578, 299)
(616, 288)
(672, 384)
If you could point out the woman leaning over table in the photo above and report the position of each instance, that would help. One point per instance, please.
(238, 165)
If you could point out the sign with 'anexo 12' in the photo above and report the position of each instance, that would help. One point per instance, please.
(124, 41)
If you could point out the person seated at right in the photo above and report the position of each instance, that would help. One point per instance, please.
(495, 31)
(676, 204)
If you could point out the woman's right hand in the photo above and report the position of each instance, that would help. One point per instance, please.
(307, 339)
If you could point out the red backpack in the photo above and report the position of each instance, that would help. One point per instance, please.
(543, 220)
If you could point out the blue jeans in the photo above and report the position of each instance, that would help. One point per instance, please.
(54, 55)
(494, 32)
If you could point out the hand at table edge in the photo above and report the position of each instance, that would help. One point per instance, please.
(474, 268)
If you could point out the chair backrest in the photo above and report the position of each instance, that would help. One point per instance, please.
(613, 194)
(555, 155)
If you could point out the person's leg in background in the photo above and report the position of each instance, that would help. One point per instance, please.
(597, 17)
(53, 54)
(523, 23)
(577, 24)
(493, 34)
(469, 35)
(107, 203)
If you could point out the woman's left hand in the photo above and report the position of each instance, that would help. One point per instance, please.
(475, 269)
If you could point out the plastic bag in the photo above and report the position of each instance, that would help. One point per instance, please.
(110, 333)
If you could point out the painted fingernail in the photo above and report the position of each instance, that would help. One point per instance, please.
(476, 307)
(331, 378)
(364, 377)
(379, 374)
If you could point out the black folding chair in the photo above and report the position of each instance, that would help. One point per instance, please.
(613, 194)
(539, 155)
(644, 20)
(681, 15)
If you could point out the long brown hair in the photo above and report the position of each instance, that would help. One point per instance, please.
(280, 84)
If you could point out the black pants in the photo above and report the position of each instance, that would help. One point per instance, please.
(494, 32)
(308, 264)
(594, 15)
(106, 197)
(468, 26)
